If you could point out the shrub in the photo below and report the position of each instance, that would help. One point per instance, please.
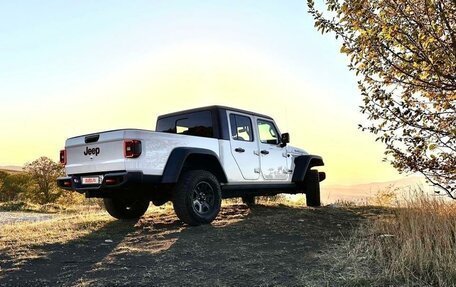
(15, 186)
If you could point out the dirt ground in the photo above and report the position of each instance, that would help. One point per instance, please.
(262, 246)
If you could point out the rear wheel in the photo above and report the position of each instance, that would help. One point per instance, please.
(248, 200)
(197, 197)
(126, 208)
(312, 188)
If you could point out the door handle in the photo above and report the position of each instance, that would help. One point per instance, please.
(239, 149)
(264, 152)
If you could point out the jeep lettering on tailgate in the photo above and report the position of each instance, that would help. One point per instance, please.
(90, 151)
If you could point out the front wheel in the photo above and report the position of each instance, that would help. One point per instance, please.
(126, 208)
(197, 197)
(312, 188)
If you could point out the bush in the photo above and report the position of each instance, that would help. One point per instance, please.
(68, 198)
(43, 173)
(15, 186)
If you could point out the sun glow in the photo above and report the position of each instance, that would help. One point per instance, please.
(183, 66)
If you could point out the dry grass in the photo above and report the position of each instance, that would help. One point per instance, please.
(57, 230)
(279, 199)
(61, 229)
(58, 207)
(350, 263)
(22, 240)
(417, 245)
(267, 245)
(412, 244)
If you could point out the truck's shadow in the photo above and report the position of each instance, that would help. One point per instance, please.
(66, 263)
(267, 246)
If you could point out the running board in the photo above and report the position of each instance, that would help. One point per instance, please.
(229, 191)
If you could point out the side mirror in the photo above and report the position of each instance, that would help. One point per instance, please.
(285, 139)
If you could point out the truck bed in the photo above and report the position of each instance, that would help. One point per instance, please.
(106, 153)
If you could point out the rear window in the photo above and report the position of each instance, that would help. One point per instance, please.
(193, 124)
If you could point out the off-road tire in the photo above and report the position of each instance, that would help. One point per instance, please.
(312, 188)
(123, 208)
(186, 200)
(248, 200)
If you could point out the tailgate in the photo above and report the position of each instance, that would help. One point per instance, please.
(100, 152)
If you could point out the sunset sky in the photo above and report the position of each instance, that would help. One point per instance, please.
(73, 67)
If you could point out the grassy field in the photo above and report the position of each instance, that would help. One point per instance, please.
(273, 244)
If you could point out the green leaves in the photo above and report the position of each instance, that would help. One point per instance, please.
(432, 147)
(344, 49)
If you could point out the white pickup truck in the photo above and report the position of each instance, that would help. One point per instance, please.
(194, 158)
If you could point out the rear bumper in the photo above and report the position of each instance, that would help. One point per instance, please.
(111, 181)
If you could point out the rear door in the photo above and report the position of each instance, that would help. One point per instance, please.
(273, 157)
(244, 148)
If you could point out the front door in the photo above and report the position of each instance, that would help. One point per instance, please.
(273, 157)
(243, 146)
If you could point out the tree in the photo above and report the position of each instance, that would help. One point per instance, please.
(44, 173)
(3, 176)
(404, 53)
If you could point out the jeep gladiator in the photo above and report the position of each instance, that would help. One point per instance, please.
(194, 158)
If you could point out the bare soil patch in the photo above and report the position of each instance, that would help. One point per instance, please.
(13, 217)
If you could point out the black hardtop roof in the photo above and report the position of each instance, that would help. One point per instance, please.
(212, 108)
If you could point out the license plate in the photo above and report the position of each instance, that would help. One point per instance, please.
(91, 180)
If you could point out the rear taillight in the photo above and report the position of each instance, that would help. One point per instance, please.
(111, 181)
(63, 158)
(132, 148)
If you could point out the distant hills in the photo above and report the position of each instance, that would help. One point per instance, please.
(368, 191)
(11, 168)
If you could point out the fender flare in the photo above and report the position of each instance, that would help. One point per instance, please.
(176, 162)
(303, 164)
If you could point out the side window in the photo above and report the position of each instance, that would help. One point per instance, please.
(241, 128)
(194, 124)
(268, 132)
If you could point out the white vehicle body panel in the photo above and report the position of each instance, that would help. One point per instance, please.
(245, 153)
(156, 148)
(110, 157)
(293, 152)
(229, 164)
(273, 164)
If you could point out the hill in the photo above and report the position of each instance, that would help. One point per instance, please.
(363, 192)
(11, 168)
